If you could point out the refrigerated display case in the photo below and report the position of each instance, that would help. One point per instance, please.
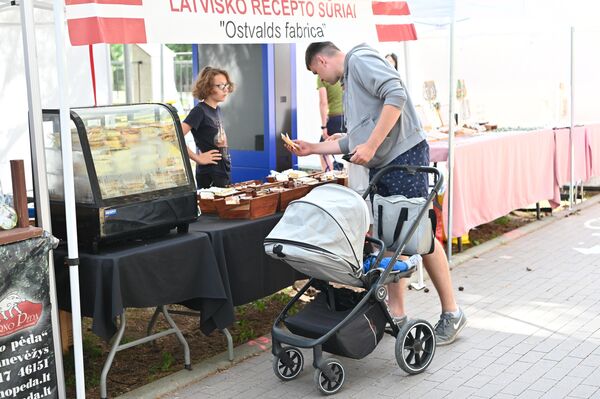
(131, 172)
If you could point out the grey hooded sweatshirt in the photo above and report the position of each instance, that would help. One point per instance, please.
(370, 83)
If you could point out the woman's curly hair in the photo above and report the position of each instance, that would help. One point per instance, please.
(204, 83)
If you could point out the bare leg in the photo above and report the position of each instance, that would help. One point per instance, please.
(396, 293)
(396, 298)
(438, 269)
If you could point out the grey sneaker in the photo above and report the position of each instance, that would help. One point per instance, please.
(448, 327)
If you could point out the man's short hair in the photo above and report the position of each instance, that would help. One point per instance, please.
(327, 48)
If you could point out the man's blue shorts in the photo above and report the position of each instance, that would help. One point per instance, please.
(400, 182)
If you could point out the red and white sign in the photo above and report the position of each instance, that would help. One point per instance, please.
(236, 21)
(17, 313)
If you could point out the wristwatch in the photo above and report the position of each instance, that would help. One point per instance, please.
(323, 127)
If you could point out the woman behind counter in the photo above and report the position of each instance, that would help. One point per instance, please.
(206, 124)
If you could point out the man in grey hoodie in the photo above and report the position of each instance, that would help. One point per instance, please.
(384, 129)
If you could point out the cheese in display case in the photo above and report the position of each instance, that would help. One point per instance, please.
(131, 171)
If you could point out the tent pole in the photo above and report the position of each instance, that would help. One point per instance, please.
(69, 194)
(38, 162)
(450, 190)
(571, 143)
(127, 74)
(406, 67)
(109, 72)
(162, 73)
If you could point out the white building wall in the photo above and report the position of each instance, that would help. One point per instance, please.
(14, 136)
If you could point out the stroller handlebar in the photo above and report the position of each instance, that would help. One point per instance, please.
(411, 169)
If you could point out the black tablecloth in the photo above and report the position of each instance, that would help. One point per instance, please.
(238, 245)
(178, 268)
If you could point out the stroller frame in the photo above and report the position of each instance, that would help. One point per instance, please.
(329, 374)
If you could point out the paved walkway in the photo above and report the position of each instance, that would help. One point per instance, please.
(533, 307)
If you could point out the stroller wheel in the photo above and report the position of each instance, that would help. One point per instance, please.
(288, 364)
(415, 346)
(329, 385)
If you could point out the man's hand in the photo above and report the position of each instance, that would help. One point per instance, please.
(363, 153)
(303, 148)
(324, 134)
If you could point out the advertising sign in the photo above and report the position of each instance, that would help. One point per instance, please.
(27, 366)
(236, 21)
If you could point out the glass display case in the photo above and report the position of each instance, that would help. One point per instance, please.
(131, 172)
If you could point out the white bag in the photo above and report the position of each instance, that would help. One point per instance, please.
(395, 215)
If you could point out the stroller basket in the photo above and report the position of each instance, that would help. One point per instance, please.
(357, 338)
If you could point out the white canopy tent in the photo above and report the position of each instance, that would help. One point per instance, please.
(156, 24)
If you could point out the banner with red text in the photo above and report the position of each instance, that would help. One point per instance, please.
(236, 21)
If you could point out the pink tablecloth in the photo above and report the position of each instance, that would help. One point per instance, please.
(592, 137)
(497, 173)
(562, 161)
(438, 151)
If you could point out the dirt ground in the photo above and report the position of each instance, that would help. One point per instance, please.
(143, 364)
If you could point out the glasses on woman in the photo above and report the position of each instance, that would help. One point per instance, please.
(224, 86)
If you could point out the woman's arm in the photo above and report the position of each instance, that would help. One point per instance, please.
(323, 110)
(204, 158)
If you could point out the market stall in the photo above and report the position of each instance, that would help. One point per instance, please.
(496, 173)
(134, 21)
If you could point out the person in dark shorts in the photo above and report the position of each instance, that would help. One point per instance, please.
(383, 129)
(205, 121)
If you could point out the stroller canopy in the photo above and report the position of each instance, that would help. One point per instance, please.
(331, 217)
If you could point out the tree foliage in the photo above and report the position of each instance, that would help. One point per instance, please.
(116, 52)
(180, 48)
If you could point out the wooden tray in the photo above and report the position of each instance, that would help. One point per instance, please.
(252, 208)
(246, 183)
(290, 194)
(271, 179)
(207, 206)
(342, 181)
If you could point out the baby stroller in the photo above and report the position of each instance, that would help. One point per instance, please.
(323, 235)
